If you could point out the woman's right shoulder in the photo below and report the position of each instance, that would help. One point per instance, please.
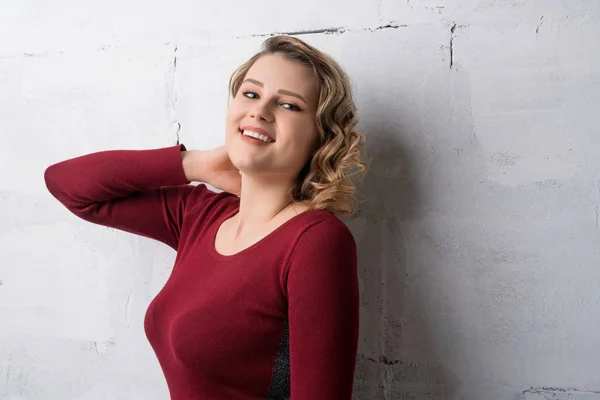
(206, 199)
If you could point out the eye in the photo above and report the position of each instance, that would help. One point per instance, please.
(287, 106)
(250, 93)
(291, 107)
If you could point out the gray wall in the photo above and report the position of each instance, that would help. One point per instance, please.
(478, 239)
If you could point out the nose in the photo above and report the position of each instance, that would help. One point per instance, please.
(262, 110)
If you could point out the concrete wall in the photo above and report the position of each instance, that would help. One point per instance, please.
(478, 243)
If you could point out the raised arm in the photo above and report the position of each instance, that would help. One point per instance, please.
(144, 192)
(323, 312)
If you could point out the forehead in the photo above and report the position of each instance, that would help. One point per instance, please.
(277, 72)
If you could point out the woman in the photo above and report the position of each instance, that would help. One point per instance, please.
(263, 298)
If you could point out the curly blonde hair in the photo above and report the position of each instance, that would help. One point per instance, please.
(325, 181)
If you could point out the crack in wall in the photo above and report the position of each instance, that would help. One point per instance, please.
(452, 29)
(549, 390)
(537, 29)
(171, 92)
(384, 360)
(388, 26)
(326, 31)
(128, 309)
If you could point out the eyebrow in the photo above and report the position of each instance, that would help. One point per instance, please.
(282, 91)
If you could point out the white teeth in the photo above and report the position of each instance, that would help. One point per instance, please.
(257, 136)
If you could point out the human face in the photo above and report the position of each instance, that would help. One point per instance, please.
(279, 98)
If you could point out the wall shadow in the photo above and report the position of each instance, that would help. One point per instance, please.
(391, 195)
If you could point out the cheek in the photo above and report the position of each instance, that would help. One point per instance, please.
(304, 143)
(234, 116)
(311, 136)
(235, 111)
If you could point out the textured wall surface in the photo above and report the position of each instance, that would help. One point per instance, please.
(479, 238)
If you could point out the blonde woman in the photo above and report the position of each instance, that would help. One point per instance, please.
(263, 299)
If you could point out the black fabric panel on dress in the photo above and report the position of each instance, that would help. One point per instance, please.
(280, 380)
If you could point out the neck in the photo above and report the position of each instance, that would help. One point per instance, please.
(261, 200)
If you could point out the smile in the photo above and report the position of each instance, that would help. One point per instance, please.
(255, 136)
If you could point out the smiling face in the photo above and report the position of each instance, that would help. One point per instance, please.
(278, 99)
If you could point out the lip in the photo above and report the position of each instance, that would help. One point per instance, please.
(257, 130)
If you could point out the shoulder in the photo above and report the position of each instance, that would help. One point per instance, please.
(201, 197)
(319, 223)
(324, 253)
(321, 231)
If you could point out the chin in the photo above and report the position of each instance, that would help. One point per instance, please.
(240, 158)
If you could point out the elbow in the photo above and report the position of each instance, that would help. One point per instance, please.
(50, 180)
(56, 185)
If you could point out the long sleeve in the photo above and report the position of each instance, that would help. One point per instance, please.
(138, 191)
(323, 307)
